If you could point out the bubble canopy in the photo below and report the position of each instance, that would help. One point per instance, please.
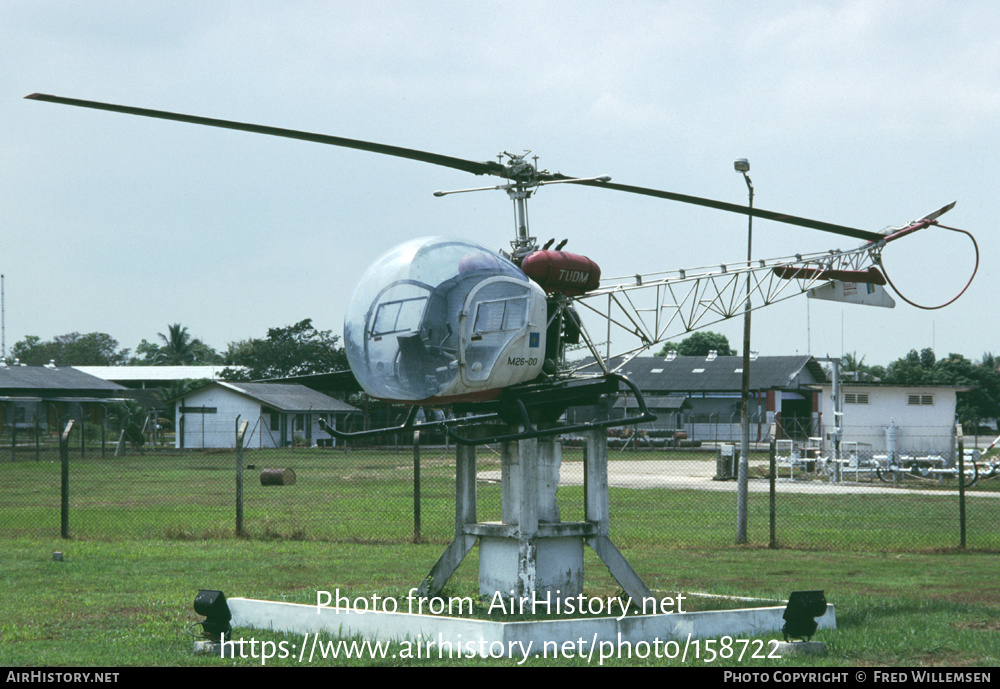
(432, 317)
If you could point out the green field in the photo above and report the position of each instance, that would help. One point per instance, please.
(368, 496)
(129, 603)
(147, 531)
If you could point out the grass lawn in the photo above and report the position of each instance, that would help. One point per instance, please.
(149, 530)
(129, 604)
(368, 496)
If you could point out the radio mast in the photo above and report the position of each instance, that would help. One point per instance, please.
(3, 320)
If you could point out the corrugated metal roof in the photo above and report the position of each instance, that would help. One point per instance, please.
(340, 381)
(289, 397)
(61, 380)
(668, 403)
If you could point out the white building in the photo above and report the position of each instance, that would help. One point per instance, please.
(278, 414)
(922, 418)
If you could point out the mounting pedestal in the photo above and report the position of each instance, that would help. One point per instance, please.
(531, 552)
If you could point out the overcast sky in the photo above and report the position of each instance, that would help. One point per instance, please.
(866, 114)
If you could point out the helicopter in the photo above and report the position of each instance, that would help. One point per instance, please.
(442, 321)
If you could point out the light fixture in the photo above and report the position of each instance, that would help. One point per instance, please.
(212, 604)
(742, 165)
(800, 614)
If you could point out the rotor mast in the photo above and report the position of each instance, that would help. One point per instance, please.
(525, 176)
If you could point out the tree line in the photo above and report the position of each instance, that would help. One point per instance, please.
(296, 349)
(301, 349)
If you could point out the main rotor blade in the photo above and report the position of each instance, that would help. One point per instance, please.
(732, 208)
(476, 168)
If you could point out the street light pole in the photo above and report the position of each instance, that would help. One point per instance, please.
(743, 475)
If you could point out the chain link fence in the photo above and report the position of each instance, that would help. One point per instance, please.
(860, 498)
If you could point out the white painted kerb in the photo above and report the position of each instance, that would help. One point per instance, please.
(298, 618)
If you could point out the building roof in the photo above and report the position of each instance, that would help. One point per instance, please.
(333, 381)
(880, 385)
(288, 397)
(131, 375)
(52, 381)
(657, 374)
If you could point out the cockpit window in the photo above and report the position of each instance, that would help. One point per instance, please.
(402, 315)
(501, 315)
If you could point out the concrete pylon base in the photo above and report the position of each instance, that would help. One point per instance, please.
(557, 565)
(531, 552)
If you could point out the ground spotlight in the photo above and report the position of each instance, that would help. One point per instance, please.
(212, 604)
(800, 614)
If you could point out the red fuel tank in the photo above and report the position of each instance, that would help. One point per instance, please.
(559, 271)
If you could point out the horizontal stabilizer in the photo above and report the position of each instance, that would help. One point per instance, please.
(866, 294)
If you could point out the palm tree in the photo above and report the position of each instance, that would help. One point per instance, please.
(853, 367)
(178, 349)
(990, 361)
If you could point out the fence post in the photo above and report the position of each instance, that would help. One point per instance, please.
(773, 543)
(961, 484)
(64, 488)
(241, 430)
(416, 486)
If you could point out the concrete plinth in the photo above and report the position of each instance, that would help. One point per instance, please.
(788, 648)
(450, 638)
